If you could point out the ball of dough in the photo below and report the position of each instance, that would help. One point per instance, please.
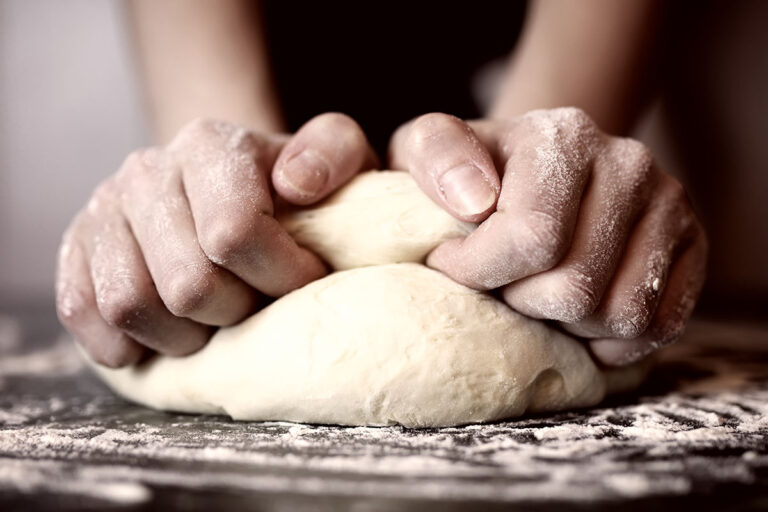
(388, 342)
(378, 218)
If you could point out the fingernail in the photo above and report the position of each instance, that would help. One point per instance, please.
(306, 173)
(466, 190)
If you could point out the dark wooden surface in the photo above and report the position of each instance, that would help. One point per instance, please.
(695, 436)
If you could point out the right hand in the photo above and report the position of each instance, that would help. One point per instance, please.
(576, 226)
(182, 238)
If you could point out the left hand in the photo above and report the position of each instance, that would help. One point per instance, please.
(575, 225)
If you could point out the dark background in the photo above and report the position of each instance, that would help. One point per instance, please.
(384, 63)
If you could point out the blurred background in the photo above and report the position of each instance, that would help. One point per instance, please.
(71, 110)
(69, 114)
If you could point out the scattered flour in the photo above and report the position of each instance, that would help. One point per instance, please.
(586, 457)
(81, 441)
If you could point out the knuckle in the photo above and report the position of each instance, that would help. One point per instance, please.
(631, 164)
(139, 163)
(188, 289)
(574, 116)
(570, 137)
(224, 241)
(639, 159)
(570, 121)
(217, 136)
(628, 166)
(123, 307)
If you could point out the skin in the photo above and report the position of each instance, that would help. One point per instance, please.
(575, 225)
(182, 238)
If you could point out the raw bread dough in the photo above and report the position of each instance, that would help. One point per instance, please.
(378, 218)
(387, 342)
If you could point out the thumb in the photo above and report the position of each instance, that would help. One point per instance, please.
(450, 164)
(323, 155)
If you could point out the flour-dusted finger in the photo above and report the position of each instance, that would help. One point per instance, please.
(77, 309)
(226, 180)
(157, 209)
(666, 228)
(126, 296)
(548, 164)
(619, 190)
(449, 163)
(323, 155)
(684, 285)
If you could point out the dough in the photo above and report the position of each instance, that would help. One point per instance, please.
(378, 218)
(389, 341)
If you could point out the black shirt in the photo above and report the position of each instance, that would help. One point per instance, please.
(384, 63)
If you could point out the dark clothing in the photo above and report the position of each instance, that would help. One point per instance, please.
(384, 63)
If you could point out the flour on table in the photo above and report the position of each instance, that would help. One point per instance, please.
(383, 340)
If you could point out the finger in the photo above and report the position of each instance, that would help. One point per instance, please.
(639, 282)
(77, 310)
(493, 134)
(126, 295)
(449, 163)
(677, 302)
(323, 155)
(547, 168)
(619, 191)
(189, 284)
(225, 172)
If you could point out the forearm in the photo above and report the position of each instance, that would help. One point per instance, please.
(204, 59)
(589, 54)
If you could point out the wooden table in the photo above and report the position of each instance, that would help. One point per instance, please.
(696, 435)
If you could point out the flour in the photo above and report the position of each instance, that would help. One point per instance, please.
(628, 451)
(588, 459)
(62, 434)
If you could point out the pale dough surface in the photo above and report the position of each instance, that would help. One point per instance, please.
(387, 342)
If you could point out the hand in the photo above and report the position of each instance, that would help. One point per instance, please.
(575, 225)
(183, 238)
